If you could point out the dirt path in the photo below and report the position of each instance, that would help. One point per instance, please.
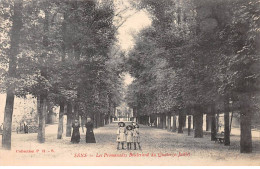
(159, 147)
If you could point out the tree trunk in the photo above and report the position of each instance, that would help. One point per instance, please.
(213, 127)
(180, 127)
(245, 124)
(62, 104)
(193, 122)
(42, 118)
(101, 120)
(69, 120)
(184, 121)
(60, 126)
(6, 140)
(189, 125)
(245, 136)
(164, 121)
(217, 122)
(208, 122)
(154, 119)
(161, 120)
(198, 119)
(226, 129)
(14, 51)
(107, 118)
(213, 123)
(169, 121)
(174, 128)
(226, 124)
(43, 96)
(98, 119)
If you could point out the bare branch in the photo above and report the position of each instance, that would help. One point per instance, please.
(129, 16)
(122, 11)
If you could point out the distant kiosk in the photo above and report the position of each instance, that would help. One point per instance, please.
(123, 113)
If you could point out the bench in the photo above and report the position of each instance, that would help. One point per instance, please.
(220, 139)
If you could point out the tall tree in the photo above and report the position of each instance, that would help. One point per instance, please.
(14, 51)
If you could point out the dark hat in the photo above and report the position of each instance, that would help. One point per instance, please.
(129, 127)
(136, 126)
(121, 124)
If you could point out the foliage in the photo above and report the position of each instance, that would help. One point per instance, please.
(64, 52)
(195, 53)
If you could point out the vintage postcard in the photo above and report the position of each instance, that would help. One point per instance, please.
(129, 82)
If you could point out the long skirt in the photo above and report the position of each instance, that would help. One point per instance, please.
(90, 138)
(75, 138)
(26, 128)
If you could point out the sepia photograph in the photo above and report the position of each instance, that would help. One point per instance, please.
(129, 82)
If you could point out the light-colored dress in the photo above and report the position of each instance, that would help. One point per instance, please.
(121, 134)
(136, 137)
(129, 136)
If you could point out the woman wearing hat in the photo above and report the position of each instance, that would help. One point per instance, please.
(75, 138)
(90, 137)
(129, 136)
(121, 138)
(136, 137)
(25, 127)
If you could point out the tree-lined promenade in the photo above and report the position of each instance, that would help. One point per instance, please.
(198, 57)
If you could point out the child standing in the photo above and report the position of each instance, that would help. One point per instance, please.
(136, 136)
(121, 138)
(129, 136)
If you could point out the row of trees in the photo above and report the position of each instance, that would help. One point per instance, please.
(198, 57)
(61, 52)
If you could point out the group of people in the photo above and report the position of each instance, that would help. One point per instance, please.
(24, 128)
(125, 134)
(128, 134)
(90, 137)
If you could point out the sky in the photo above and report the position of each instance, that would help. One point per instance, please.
(131, 27)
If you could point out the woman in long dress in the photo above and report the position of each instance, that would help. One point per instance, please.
(25, 128)
(90, 137)
(75, 138)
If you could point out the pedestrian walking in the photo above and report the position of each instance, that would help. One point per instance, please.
(75, 138)
(121, 137)
(129, 136)
(90, 137)
(136, 136)
(25, 127)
